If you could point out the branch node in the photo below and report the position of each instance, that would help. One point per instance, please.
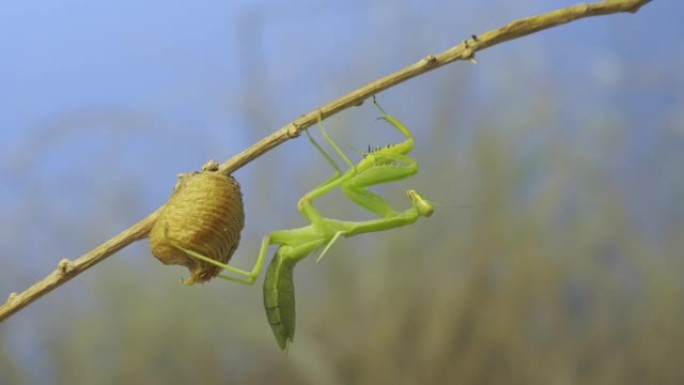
(292, 130)
(65, 266)
(428, 60)
(469, 54)
(12, 297)
(211, 166)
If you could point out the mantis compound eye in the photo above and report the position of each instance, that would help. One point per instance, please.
(204, 214)
(424, 206)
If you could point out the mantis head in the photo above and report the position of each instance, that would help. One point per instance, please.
(425, 207)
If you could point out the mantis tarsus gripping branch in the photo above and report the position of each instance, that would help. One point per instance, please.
(382, 165)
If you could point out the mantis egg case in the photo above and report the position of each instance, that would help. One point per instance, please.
(205, 215)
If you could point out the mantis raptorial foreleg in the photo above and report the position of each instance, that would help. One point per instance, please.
(383, 165)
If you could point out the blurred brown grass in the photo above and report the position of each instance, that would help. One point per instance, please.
(551, 287)
(533, 270)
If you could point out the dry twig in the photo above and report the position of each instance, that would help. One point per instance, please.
(464, 51)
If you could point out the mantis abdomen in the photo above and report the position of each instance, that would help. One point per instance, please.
(279, 298)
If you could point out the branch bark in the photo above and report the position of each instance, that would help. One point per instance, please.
(466, 50)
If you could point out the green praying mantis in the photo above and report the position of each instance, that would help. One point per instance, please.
(378, 166)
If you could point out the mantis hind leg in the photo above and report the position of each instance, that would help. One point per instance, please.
(245, 277)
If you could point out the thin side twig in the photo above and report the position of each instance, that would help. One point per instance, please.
(466, 50)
